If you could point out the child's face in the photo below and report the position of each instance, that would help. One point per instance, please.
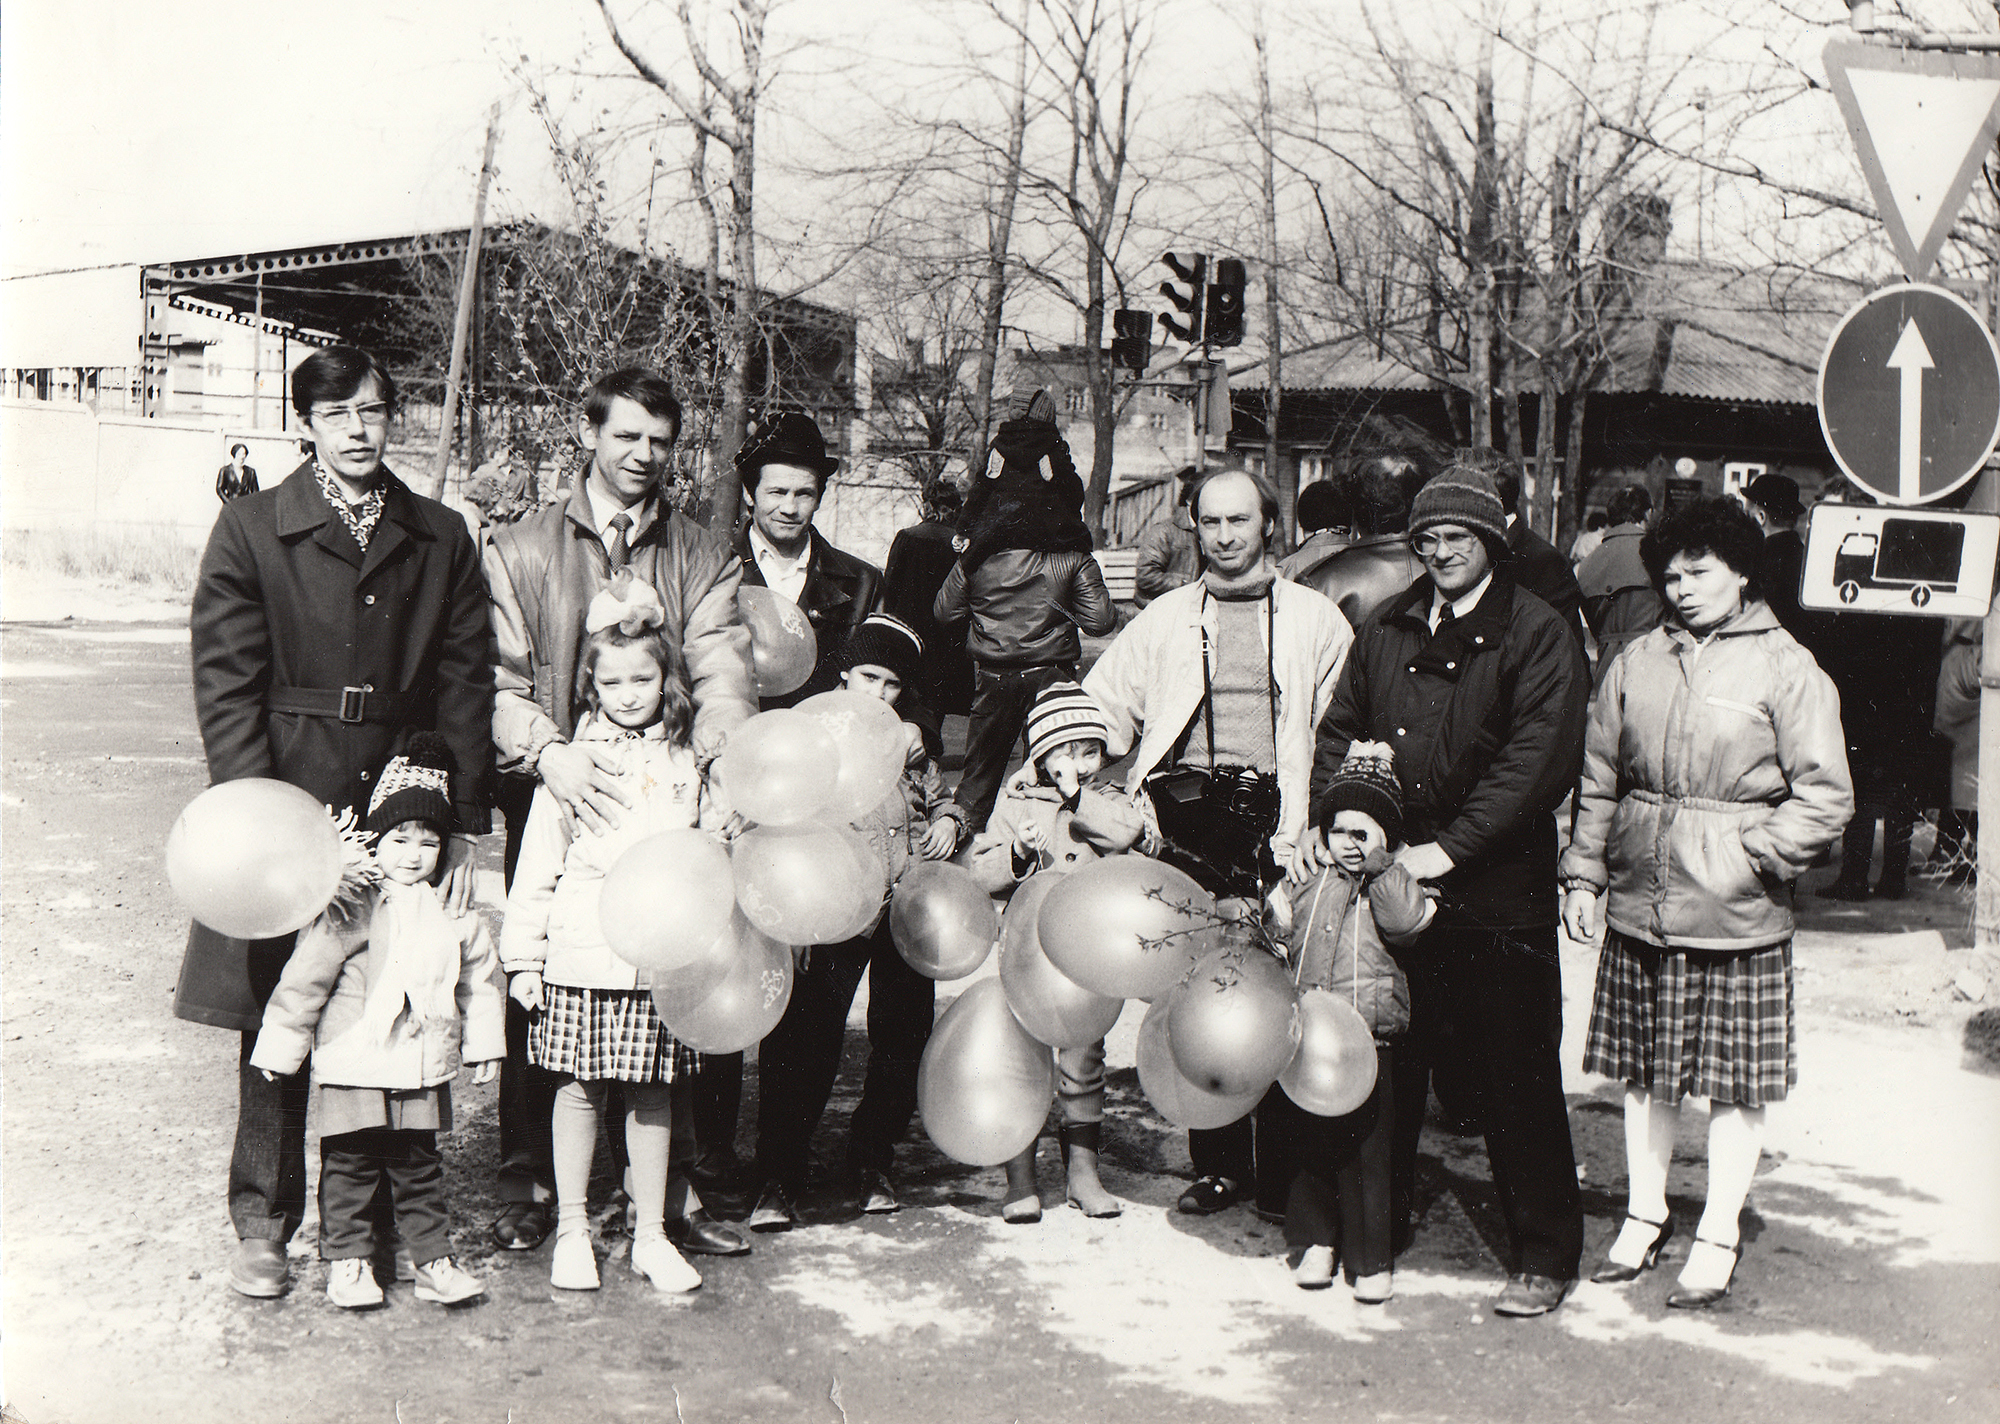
(1352, 836)
(1070, 766)
(873, 680)
(408, 854)
(629, 684)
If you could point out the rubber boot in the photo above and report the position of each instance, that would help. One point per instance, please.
(1023, 1202)
(1079, 1149)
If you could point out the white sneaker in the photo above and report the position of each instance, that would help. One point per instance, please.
(655, 1258)
(572, 1264)
(350, 1284)
(1373, 1290)
(442, 1281)
(1315, 1268)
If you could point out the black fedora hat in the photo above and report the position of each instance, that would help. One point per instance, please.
(791, 439)
(1776, 495)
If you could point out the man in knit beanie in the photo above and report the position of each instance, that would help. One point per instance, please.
(1481, 693)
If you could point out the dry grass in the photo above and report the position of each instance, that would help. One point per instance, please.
(155, 555)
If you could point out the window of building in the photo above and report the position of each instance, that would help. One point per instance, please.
(1076, 401)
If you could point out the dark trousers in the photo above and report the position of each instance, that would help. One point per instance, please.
(267, 1169)
(354, 1166)
(715, 1095)
(1001, 697)
(1257, 1152)
(527, 1093)
(1857, 846)
(798, 1061)
(1340, 1193)
(1486, 1019)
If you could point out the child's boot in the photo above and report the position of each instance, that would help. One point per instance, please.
(654, 1257)
(1023, 1202)
(443, 1282)
(572, 1262)
(1375, 1288)
(1079, 1149)
(350, 1284)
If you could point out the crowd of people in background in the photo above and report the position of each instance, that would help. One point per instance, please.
(1412, 750)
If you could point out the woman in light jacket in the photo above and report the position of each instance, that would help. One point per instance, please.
(1715, 771)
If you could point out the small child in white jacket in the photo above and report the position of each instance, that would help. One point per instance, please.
(379, 999)
(594, 1019)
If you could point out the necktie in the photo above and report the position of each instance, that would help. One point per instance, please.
(1445, 617)
(619, 550)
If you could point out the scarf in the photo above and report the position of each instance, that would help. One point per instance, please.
(410, 931)
(1253, 582)
(361, 518)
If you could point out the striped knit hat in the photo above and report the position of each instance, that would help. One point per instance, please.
(1466, 497)
(1366, 781)
(1063, 712)
(416, 786)
(882, 641)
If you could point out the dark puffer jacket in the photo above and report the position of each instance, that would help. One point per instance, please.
(1026, 606)
(1487, 721)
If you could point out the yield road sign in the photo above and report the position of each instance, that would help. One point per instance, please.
(1923, 123)
(1909, 393)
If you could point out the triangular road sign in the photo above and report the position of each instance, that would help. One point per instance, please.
(1923, 123)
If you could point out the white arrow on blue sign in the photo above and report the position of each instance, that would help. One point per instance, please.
(1909, 393)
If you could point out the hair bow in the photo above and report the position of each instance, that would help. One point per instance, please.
(628, 605)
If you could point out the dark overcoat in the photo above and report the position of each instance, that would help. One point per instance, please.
(288, 611)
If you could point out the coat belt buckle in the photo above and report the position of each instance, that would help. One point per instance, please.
(354, 704)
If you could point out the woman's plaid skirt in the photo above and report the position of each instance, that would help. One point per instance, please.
(594, 1034)
(1695, 1023)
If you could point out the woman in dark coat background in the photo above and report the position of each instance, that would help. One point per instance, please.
(332, 616)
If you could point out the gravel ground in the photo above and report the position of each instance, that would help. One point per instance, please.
(1867, 1291)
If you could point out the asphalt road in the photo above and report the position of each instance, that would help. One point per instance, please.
(1867, 1290)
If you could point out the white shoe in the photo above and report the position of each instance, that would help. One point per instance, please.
(573, 1264)
(350, 1284)
(1373, 1290)
(655, 1258)
(1315, 1268)
(442, 1281)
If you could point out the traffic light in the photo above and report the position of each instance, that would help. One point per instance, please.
(1195, 274)
(1131, 339)
(1225, 304)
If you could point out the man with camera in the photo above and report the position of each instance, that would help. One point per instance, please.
(1222, 683)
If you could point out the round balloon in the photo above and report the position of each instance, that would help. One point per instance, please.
(1174, 1097)
(1051, 1006)
(255, 858)
(804, 884)
(942, 922)
(1334, 1070)
(1235, 1021)
(666, 899)
(741, 1007)
(872, 741)
(1126, 926)
(783, 650)
(779, 768)
(983, 1086)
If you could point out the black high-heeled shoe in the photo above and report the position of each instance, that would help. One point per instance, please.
(1702, 1297)
(1612, 1273)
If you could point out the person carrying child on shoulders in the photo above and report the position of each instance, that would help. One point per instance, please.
(594, 1019)
(800, 1058)
(385, 997)
(1347, 922)
(1056, 819)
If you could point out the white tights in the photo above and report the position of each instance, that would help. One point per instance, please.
(648, 1131)
(1735, 1141)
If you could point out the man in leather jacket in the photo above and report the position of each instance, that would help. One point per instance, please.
(1379, 565)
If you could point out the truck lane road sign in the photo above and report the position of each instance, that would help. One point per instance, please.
(1864, 558)
(1909, 393)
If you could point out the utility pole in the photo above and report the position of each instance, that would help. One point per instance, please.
(462, 327)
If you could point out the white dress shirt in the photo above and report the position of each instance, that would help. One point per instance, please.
(782, 573)
(604, 509)
(1461, 605)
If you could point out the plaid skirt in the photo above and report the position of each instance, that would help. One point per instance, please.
(593, 1034)
(1695, 1023)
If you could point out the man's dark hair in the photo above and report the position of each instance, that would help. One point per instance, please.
(646, 388)
(1381, 490)
(1505, 473)
(1324, 505)
(1187, 476)
(1718, 527)
(1630, 505)
(942, 499)
(334, 374)
(1267, 495)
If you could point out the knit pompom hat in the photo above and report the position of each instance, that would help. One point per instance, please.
(1063, 712)
(1466, 497)
(415, 786)
(882, 641)
(1366, 781)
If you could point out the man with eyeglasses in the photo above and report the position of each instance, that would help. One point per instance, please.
(1482, 692)
(332, 616)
